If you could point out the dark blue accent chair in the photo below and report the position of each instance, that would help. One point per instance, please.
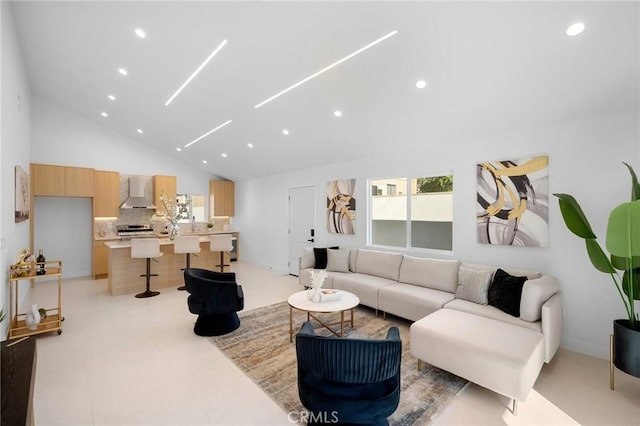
(215, 297)
(348, 381)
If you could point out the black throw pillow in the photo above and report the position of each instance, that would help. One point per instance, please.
(321, 257)
(505, 292)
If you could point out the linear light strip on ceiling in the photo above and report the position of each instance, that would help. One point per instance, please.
(208, 133)
(362, 49)
(206, 61)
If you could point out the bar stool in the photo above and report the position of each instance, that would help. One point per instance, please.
(146, 248)
(221, 243)
(189, 244)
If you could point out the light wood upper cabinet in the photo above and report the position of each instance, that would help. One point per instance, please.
(166, 184)
(79, 182)
(48, 180)
(61, 181)
(106, 194)
(222, 197)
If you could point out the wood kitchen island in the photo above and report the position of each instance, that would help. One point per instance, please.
(124, 272)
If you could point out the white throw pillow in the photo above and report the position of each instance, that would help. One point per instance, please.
(338, 260)
(308, 259)
(473, 285)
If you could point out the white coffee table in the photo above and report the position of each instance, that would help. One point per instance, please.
(301, 302)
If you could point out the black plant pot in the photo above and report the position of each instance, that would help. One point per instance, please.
(626, 354)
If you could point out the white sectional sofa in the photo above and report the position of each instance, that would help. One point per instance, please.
(455, 328)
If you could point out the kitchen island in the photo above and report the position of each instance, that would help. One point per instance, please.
(124, 272)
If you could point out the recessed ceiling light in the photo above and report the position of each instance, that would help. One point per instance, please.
(111, 97)
(104, 114)
(204, 161)
(140, 131)
(140, 33)
(338, 62)
(224, 155)
(285, 132)
(249, 145)
(178, 149)
(575, 29)
(206, 61)
(122, 71)
(421, 84)
(337, 113)
(208, 133)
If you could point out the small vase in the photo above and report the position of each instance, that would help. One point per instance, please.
(32, 318)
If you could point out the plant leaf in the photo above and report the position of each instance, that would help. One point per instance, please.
(635, 187)
(598, 257)
(574, 217)
(623, 230)
(636, 283)
(622, 263)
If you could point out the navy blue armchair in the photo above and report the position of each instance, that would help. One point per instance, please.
(215, 297)
(354, 381)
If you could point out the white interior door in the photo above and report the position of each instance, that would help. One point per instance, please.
(302, 207)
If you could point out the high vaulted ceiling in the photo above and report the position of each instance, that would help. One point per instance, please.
(489, 67)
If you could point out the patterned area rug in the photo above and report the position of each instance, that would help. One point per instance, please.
(261, 348)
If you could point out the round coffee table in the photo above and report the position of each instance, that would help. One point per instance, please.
(301, 302)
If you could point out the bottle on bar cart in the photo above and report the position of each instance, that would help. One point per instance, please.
(41, 259)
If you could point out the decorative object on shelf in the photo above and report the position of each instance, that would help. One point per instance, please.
(172, 215)
(32, 318)
(40, 260)
(317, 279)
(22, 195)
(512, 202)
(43, 313)
(623, 243)
(23, 263)
(341, 207)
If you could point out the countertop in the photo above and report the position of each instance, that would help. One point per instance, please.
(164, 240)
(114, 237)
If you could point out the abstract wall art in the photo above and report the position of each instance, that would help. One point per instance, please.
(513, 202)
(341, 207)
(22, 195)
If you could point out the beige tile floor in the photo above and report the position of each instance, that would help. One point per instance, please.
(128, 361)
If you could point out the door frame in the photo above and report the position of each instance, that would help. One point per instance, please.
(314, 221)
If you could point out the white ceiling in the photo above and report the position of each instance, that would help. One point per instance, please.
(491, 68)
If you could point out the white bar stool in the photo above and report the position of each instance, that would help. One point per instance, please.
(221, 243)
(189, 244)
(146, 248)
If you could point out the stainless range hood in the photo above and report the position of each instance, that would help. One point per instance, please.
(136, 198)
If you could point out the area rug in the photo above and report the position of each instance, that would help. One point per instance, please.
(260, 347)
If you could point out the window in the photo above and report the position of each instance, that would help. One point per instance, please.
(190, 208)
(413, 213)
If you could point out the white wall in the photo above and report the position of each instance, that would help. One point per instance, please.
(585, 159)
(15, 151)
(63, 138)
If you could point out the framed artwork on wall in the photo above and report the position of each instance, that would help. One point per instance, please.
(512, 205)
(22, 195)
(341, 207)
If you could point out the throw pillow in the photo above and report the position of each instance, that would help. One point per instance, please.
(321, 257)
(473, 285)
(505, 292)
(338, 260)
(307, 260)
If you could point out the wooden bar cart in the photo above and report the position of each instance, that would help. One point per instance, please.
(53, 321)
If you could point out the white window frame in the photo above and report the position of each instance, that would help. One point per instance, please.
(407, 195)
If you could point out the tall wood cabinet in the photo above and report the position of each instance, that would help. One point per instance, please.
(106, 194)
(61, 181)
(167, 185)
(222, 197)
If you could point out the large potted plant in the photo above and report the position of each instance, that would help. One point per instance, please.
(623, 244)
